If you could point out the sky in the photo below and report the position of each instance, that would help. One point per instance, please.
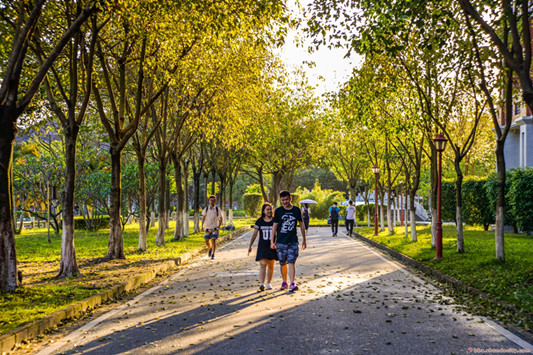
(331, 68)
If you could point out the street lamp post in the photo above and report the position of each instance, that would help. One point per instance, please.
(375, 170)
(440, 145)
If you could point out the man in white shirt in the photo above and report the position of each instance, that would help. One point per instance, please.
(350, 217)
(211, 222)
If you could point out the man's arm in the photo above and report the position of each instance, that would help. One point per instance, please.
(274, 235)
(302, 229)
(203, 220)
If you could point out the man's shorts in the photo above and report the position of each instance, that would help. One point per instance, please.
(287, 253)
(211, 234)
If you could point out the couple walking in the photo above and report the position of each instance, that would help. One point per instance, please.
(278, 240)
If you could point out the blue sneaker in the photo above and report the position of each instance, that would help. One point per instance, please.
(284, 286)
(293, 287)
(209, 253)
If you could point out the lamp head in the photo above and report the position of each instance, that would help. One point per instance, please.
(440, 142)
(375, 169)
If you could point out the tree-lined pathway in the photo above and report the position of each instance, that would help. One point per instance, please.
(351, 301)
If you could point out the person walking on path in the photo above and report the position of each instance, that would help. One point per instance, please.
(334, 213)
(211, 222)
(306, 212)
(265, 254)
(350, 217)
(285, 238)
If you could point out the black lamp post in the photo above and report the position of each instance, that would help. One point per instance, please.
(440, 145)
(375, 170)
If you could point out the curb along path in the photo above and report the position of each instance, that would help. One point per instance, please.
(11, 339)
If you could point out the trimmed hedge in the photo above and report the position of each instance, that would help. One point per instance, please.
(479, 199)
(79, 223)
(521, 198)
(251, 204)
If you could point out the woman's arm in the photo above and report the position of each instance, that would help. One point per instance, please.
(252, 240)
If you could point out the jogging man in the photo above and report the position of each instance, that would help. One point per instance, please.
(285, 238)
(211, 222)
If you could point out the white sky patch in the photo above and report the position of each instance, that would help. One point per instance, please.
(331, 69)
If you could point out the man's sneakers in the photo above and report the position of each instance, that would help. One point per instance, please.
(212, 256)
(293, 287)
(268, 286)
(209, 253)
(284, 286)
(262, 287)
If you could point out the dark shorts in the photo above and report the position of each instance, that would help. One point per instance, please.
(287, 253)
(211, 234)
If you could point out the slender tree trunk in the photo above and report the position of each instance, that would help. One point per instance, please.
(368, 213)
(178, 231)
(206, 194)
(500, 202)
(185, 214)
(262, 185)
(276, 180)
(143, 243)
(167, 205)
(433, 193)
(197, 202)
(390, 222)
(116, 238)
(459, 207)
(412, 215)
(405, 214)
(68, 266)
(230, 197)
(382, 214)
(8, 254)
(160, 237)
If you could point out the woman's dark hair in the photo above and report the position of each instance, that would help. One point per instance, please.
(265, 205)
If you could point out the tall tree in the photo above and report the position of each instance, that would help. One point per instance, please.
(20, 82)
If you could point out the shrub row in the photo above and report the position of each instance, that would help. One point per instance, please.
(479, 199)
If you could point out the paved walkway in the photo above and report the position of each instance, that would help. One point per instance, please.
(351, 301)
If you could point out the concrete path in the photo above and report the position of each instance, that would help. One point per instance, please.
(351, 300)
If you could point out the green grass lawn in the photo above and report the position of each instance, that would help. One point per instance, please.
(41, 294)
(510, 281)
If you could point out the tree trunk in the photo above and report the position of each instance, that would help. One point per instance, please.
(8, 255)
(178, 231)
(368, 214)
(230, 198)
(143, 243)
(196, 202)
(262, 184)
(185, 214)
(116, 238)
(160, 237)
(500, 202)
(405, 209)
(390, 222)
(433, 201)
(382, 215)
(206, 194)
(459, 207)
(412, 215)
(68, 266)
(276, 180)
